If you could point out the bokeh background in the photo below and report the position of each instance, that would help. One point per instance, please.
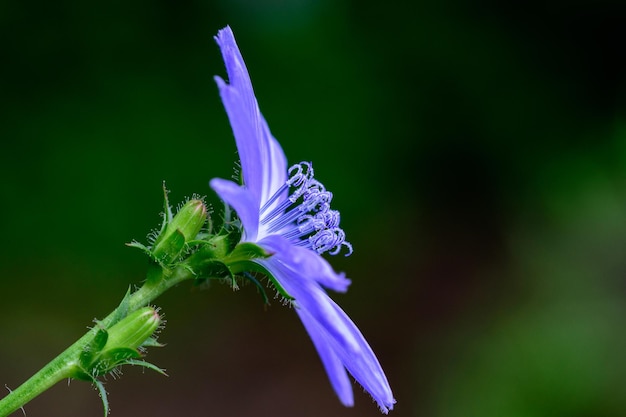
(476, 150)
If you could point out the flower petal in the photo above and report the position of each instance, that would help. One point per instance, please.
(263, 162)
(332, 363)
(329, 326)
(245, 130)
(305, 263)
(275, 174)
(365, 366)
(345, 340)
(244, 203)
(310, 296)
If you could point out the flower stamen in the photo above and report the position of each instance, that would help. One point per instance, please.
(305, 216)
(299, 179)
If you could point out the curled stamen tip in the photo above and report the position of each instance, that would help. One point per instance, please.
(315, 186)
(349, 246)
(330, 217)
(304, 173)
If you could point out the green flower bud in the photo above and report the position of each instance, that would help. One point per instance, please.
(119, 345)
(132, 331)
(182, 229)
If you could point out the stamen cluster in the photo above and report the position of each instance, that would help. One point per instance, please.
(305, 217)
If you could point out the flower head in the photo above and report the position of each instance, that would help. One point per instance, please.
(286, 211)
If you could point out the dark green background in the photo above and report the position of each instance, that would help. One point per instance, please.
(476, 150)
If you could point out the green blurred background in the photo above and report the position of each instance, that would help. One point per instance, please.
(476, 150)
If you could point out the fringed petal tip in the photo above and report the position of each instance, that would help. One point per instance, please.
(224, 36)
(386, 407)
(235, 66)
(220, 82)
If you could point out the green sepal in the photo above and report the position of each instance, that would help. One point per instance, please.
(245, 251)
(201, 239)
(151, 342)
(214, 247)
(91, 351)
(113, 358)
(233, 233)
(99, 340)
(81, 374)
(258, 285)
(85, 360)
(126, 357)
(207, 261)
(231, 226)
(253, 266)
(168, 250)
(147, 365)
(103, 395)
(141, 247)
(210, 268)
(230, 218)
(167, 210)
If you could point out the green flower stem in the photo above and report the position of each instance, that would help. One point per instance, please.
(65, 365)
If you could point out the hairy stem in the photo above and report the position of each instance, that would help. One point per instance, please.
(65, 365)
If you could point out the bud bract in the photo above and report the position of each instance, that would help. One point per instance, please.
(178, 232)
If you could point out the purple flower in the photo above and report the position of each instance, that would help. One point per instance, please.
(287, 213)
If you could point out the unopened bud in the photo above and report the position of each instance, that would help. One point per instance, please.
(118, 345)
(133, 330)
(183, 228)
